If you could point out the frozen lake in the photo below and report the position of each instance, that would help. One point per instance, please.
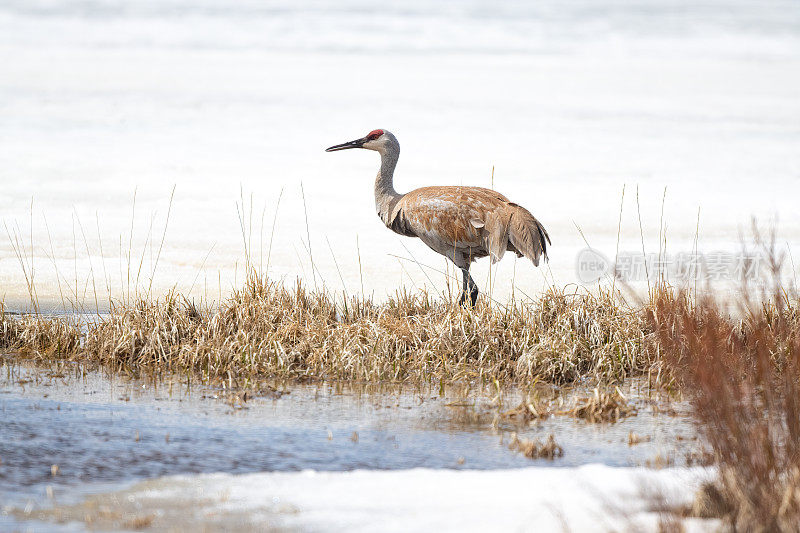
(568, 101)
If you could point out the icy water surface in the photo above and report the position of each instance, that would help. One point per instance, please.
(568, 100)
(66, 436)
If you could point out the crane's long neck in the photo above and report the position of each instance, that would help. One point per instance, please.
(385, 195)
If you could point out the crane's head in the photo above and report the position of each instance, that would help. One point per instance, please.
(377, 140)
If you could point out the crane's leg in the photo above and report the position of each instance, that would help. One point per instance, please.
(470, 289)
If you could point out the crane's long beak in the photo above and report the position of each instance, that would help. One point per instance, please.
(352, 144)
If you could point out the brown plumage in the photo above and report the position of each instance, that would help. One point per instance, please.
(474, 221)
(461, 223)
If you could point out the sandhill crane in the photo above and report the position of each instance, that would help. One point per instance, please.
(461, 223)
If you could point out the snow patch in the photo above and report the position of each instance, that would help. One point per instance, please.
(587, 498)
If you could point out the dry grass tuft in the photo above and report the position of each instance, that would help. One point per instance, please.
(603, 407)
(527, 412)
(743, 377)
(634, 439)
(534, 449)
(139, 522)
(265, 329)
(38, 336)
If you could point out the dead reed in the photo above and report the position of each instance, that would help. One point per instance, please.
(267, 330)
(534, 449)
(528, 411)
(743, 378)
(602, 407)
(38, 335)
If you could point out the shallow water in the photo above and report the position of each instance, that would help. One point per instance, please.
(104, 433)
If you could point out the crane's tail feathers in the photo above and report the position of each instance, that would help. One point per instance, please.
(527, 235)
(496, 236)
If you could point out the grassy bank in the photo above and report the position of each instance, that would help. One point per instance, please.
(267, 330)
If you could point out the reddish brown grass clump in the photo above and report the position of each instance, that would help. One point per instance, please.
(743, 379)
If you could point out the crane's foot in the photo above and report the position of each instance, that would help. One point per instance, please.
(469, 300)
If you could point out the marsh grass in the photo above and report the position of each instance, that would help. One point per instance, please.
(268, 330)
(603, 406)
(528, 412)
(535, 449)
(39, 336)
(742, 376)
